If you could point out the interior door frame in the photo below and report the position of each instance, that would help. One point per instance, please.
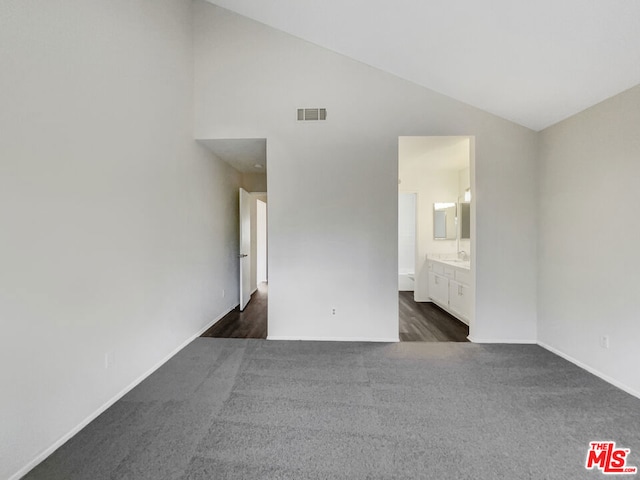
(244, 253)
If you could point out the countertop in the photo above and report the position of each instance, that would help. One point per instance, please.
(464, 264)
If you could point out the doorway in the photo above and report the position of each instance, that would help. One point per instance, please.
(434, 248)
(249, 318)
(248, 157)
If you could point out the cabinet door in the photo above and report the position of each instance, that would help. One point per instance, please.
(439, 289)
(459, 300)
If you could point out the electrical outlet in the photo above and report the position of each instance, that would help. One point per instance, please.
(333, 311)
(604, 341)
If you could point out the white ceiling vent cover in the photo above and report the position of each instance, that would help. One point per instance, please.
(306, 114)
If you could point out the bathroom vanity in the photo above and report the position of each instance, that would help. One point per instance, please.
(450, 286)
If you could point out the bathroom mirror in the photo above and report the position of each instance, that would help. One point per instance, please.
(444, 221)
(465, 220)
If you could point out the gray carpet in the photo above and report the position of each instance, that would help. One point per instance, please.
(253, 409)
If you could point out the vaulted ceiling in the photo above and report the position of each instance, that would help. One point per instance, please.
(532, 62)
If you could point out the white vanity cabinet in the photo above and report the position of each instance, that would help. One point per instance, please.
(450, 288)
(438, 288)
(459, 300)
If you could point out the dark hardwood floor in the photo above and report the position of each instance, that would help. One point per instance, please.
(251, 323)
(426, 322)
(419, 322)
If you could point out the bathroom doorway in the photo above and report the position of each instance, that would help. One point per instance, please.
(434, 241)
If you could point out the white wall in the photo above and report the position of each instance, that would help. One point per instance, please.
(333, 185)
(118, 231)
(464, 182)
(589, 235)
(407, 231)
(262, 243)
(253, 269)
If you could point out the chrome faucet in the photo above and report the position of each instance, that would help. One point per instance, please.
(463, 255)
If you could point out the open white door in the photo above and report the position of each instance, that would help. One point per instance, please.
(245, 248)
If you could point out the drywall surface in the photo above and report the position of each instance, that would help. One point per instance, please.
(333, 185)
(407, 231)
(464, 182)
(254, 238)
(119, 232)
(262, 245)
(589, 270)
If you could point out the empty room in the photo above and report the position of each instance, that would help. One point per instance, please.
(129, 130)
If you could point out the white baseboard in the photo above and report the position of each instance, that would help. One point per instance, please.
(205, 328)
(62, 440)
(215, 320)
(591, 370)
(335, 339)
(519, 341)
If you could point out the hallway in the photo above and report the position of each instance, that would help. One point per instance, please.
(250, 323)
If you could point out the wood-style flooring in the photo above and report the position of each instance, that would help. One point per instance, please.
(250, 323)
(419, 321)
(426, 322)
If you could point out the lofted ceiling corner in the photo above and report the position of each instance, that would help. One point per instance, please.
(534, 63)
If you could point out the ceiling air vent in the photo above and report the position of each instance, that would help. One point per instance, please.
(305, 114)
